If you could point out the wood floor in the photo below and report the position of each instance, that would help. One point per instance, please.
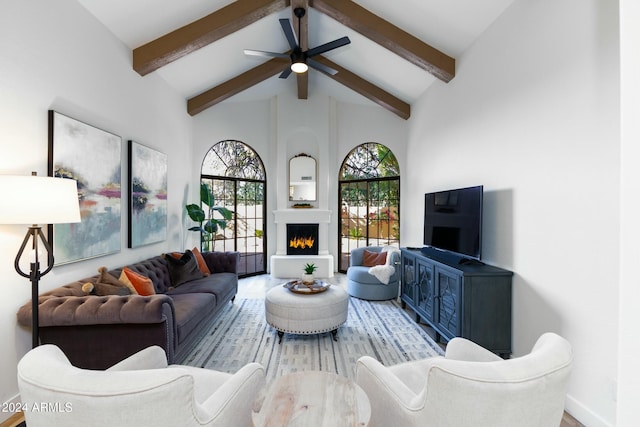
(569, 421)
(13, 421)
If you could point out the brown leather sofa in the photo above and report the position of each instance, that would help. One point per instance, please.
(96, 332)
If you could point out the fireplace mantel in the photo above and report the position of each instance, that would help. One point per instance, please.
(283, 265)
(282, 217)
(300, 216)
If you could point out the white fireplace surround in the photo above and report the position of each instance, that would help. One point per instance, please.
(291, 266)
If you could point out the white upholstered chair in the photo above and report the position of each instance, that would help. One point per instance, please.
(471, 386)
(139, 391)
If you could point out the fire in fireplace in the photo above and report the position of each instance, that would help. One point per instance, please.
(302, 239)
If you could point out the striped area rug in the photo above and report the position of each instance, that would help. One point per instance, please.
(380, 329)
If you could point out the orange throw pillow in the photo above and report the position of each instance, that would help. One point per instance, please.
(369, 259)
(143, 285)
(202, 265)
(105, 277)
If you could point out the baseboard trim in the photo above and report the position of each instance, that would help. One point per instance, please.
(583, 414)
(11, 419)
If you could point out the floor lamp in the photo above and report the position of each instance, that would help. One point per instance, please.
(37, 200)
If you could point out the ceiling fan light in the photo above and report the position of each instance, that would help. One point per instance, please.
(299, 67)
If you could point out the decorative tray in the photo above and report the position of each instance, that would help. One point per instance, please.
(298, 287)
(302, 206)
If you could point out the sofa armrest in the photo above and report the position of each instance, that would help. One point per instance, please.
(152, 357)
(463, 349)
(98, 310)
(378, 381)
(222, 262)
(231, 403)
(356, 256)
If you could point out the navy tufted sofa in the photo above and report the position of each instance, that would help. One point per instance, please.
(96, 332)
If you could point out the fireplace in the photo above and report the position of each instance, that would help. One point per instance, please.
(302, 239)
(286, 266)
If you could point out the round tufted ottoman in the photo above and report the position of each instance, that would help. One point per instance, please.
(296, 313)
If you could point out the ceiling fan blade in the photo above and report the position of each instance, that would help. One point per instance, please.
(289, 33)
(328, 46)
(321, 67)
(285, 73)
(253, 52)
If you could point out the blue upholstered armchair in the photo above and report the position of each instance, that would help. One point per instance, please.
(364, 285)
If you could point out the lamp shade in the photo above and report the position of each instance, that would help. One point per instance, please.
(38, 200)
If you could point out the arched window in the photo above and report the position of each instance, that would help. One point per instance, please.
(235, 175)
(369, 191)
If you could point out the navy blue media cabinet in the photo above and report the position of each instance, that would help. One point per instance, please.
(458, 297)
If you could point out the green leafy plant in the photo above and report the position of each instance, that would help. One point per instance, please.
(310, 268)
(356, 233)
(208, 227)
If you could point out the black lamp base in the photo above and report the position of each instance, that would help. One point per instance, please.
(33, 234)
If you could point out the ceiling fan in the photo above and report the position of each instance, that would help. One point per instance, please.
(300, 61)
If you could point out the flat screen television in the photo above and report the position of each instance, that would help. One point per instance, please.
(453, 221)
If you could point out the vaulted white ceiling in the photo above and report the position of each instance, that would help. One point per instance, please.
(450, 26)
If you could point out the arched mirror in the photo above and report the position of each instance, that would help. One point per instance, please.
(302, 178)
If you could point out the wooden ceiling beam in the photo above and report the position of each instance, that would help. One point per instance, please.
(389, 36)
(215, 95)
(178, 43)
(367, 89)
(241, 13)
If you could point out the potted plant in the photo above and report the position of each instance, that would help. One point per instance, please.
(208, 228)
(307, 277)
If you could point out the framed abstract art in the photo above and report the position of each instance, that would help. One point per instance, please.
(92, 157)
(147, 195)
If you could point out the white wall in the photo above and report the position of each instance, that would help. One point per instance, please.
(358, 124)
(629, 349)
(533, 115)
(54, 55)
(283, 126)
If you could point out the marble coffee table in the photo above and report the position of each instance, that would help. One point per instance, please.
(311, 399)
